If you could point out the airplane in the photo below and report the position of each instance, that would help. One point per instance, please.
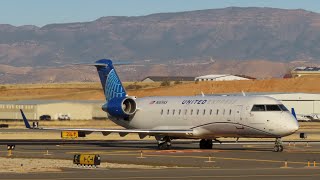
(188, 117)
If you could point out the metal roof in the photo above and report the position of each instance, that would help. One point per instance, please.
(215, 76)
(169, 78)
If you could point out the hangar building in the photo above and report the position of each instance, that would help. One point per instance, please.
(33, 109)
(303, 103)
(166, 78)
(220, 77)
(306, 71)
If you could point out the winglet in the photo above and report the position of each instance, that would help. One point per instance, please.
(26, 123)
(294, 113)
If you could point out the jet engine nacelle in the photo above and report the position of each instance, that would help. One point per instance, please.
(120, 107)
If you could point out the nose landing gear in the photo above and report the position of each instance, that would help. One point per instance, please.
(278, 145)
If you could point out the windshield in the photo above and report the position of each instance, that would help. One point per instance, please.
(283, 108)
(273, 108)
(269, 107)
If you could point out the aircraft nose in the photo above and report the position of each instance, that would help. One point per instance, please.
(293, 125)
(289, 124)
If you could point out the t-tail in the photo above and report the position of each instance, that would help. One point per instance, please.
(117, 103)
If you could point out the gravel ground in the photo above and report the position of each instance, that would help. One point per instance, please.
(24, 165)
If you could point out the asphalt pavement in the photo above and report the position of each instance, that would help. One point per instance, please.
(183, 161)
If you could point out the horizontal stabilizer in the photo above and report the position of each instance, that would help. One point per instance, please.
(102, 64)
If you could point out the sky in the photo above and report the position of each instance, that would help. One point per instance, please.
(42, 12)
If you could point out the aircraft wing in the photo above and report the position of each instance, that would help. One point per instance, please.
(122, 132)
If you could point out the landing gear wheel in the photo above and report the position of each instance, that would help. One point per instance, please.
(278, 145)
(280, 148)
(202, 144)
(163, 146)
(205, 144)
(164, 143)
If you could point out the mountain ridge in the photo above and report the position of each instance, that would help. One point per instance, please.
(227, 35)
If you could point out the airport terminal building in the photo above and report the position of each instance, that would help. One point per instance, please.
(33, 109)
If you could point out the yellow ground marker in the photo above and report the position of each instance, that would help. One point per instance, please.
(285, 164)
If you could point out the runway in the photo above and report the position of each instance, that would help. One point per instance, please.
(175, 173)
(184, 161)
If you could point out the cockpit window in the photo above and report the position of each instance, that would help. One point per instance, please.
(273, 108)
(269, 107)
(258, 108)
(283, 108)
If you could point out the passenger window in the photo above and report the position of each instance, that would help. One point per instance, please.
(230, 112)
(224, 111)
(161, 111)
(210, 111)
(168, 112)
(217, 111)
(191, 111)
(273, 108)
(204, 112)
(258, 108)
(173, 111)
(197, 111)
(179, 111)
(185, 111)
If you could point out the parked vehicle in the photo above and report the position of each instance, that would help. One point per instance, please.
(64, 117)
(308, 117)
(45, 117)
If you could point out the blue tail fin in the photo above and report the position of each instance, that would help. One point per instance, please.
(111, 84)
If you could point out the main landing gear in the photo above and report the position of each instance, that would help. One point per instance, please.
(205, 144)
(164, 143)
(278, 145)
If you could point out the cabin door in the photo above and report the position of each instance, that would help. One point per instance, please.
(238, 117)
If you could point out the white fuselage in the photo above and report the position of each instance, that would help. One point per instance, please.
(212, 116)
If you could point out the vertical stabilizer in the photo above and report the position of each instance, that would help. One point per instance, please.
(111, 84)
